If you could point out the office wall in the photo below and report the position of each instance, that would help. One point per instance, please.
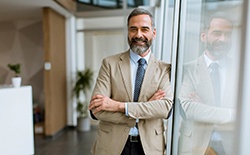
(21, 41)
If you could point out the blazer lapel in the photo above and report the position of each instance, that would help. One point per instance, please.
(151, 68)
(124, 67)
(207, 83)
(230, 84)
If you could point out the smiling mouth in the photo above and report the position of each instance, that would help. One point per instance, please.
(139, 42)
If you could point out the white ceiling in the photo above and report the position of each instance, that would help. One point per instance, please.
(27, 9)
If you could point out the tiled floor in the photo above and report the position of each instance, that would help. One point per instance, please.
(68, 142)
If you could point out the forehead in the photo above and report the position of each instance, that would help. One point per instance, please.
(220, 24)
(140, 20)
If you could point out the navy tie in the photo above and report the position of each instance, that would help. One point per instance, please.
(139, 78)
(216, 82)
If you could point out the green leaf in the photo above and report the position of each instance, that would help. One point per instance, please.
(16, 68)
(82, 84)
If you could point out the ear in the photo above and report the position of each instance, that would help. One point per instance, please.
(203, 36)
(154, 33)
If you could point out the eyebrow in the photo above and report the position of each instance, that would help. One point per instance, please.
(144, 27)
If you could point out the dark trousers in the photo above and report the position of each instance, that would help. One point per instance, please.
(133, 148)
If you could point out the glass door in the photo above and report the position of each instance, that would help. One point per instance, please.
(207, 77)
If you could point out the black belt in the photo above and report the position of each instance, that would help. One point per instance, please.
(133, 146)
(134, 139)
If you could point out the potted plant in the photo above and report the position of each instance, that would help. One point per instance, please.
(82, 85)
(16, 68)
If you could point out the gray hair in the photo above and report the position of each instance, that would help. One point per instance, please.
(221, 15)
(141, 11)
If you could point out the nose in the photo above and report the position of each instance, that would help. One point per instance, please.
(138, 34)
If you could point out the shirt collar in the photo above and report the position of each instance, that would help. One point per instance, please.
(135, 57)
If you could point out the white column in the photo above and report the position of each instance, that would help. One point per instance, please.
(244, 87)
(71, 62)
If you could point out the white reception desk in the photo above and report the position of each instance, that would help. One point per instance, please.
(16, 121)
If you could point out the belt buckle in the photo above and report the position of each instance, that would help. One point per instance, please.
(134, 138)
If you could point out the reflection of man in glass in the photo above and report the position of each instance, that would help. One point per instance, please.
(205, 98)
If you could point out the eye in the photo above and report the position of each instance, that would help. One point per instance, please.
(217, 33)
(132, 29)
(145, 29)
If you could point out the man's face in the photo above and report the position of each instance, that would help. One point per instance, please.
(140, 34)
(217, 38)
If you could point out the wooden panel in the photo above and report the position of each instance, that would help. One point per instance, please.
(55, 77)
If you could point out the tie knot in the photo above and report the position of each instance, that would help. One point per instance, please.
(214, 66)
(141, 61)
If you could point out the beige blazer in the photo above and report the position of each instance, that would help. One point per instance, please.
(114, 80)
(200, 118)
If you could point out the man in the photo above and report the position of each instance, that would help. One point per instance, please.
(131, 124)
(207, 94)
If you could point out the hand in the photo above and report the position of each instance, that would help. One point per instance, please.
(104, 103)
(194, 97)
(158, 95)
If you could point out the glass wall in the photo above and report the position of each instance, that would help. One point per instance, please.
(206, 89)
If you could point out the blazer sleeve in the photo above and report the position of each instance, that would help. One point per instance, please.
(196, 79)
(103, 86)
(158, 108)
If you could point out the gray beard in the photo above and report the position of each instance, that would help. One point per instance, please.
(218, 54)
(139, 49)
